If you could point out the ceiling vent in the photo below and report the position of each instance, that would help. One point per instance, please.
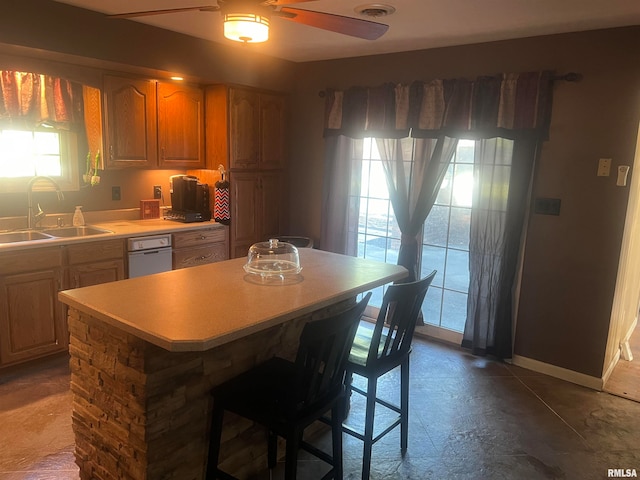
(375, 10)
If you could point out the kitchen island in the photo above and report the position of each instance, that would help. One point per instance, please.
(145, 352)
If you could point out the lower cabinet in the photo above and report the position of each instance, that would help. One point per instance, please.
(199, 247)
(32, 321)
(93, 263)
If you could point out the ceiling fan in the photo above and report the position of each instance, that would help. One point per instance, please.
(256, 14)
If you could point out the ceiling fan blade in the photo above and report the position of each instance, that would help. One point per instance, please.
(277, 3)
(355, 27)
(205, 8)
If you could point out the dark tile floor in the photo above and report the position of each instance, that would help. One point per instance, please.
(471, 418)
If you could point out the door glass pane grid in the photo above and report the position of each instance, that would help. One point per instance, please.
(446, 243)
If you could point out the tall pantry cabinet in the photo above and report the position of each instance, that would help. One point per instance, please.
(245, 132)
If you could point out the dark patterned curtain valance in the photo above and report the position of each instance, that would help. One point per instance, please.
(506, 105)
(29, 100)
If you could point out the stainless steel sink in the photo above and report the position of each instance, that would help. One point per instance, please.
(23, 236)
(66, 232)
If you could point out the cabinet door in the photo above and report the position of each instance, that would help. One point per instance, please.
(32, 322)
(244, 124)
(245, 211)
(180, 126)
(96, 273)
(272, 128)
(270, 191)
(130, 122)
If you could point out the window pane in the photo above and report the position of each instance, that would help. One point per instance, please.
(364, 185)
(465, 151)
(446, 187)
(377, 182)
(432, 305)
(454, 310)
(459, 228)
(375, 248)
(462, 186)
(393, 248)
(435, 227)
(457, 272)
(46, 143)
(433, 258)
(377, 217)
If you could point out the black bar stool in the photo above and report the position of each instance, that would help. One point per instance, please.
(286, 397)
(378, 351)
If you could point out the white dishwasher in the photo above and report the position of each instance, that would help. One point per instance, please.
(149, 255)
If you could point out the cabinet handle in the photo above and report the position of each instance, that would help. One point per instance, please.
(111, 151)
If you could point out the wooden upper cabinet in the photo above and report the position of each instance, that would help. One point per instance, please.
(180, 126)
(153, 124)
(272, 131)
(130, 122)
(245, 128)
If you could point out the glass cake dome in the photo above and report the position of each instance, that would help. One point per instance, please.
(273, 259)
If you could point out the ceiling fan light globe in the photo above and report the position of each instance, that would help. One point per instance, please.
(246, 27)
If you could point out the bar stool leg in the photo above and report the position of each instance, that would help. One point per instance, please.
(272, 450)
(372, 384)
(337, 413)
(214, 442)
(291, 460)
(404, 405)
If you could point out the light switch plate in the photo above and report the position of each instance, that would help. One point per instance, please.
(604, 167)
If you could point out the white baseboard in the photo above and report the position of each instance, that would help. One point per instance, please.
(588, 381)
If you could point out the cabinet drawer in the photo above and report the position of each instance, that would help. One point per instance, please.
(95, 251)
(30, 260)
(192, 257)
(195, 238)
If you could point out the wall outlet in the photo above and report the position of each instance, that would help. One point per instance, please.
(115, 193)
(604, 167)
(157, 191)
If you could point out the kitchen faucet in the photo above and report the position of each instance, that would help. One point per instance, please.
(32, 219)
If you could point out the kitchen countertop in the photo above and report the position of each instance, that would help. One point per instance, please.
(119, 229)
(196, 309)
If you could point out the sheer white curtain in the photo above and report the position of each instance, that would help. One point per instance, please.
(414, 170)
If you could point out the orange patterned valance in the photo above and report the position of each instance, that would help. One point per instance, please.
(30, 99)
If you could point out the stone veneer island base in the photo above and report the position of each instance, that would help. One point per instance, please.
(141, 406)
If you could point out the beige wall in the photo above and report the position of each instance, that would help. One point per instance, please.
(571, 260)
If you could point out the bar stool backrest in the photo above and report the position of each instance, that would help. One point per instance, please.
(322, 357)
(396, 321)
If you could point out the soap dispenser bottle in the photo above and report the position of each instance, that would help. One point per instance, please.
(78, 217)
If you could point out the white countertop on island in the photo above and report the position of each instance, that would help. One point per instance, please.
(199, 308)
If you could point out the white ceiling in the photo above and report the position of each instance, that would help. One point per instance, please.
(416, 24)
